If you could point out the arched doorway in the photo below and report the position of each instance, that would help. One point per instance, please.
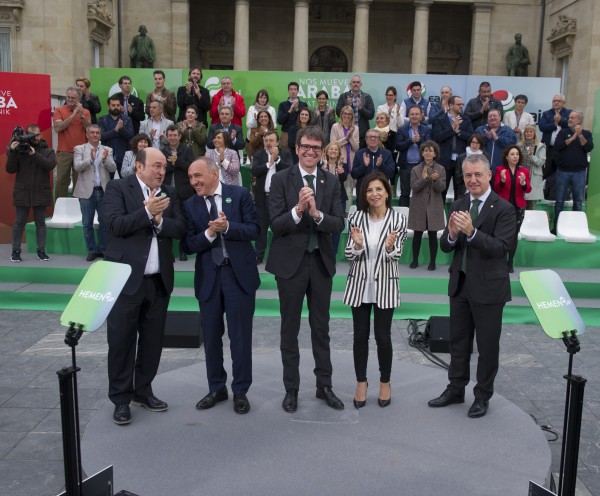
(328, 59)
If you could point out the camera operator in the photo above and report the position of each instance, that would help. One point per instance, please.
(32, 160)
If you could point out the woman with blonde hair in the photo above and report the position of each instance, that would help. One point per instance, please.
(345, 134)
(388, 137)
(534, 158)
(333, 163)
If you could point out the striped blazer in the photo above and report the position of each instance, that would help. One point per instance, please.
(386, 273)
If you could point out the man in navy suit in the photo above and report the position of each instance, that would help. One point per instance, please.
(410, 137)
(551, 122)
(372, 158)
(481, 228)
(143, 216)
(451, 130)
(220, 227)
(236, 141)
(305, 209)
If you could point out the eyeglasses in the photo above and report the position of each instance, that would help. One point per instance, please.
(390, 94)
(314, 148)
(372, 136)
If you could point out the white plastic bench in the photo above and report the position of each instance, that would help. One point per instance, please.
(536, 227)
(67, 213)
(573, 227)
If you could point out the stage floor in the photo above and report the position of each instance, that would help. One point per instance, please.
(406, 448)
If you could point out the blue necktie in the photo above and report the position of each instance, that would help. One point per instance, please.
(216, 249)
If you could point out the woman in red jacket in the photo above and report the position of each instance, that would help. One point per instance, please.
(511, 182)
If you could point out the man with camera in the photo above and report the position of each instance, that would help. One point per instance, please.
(30, 158)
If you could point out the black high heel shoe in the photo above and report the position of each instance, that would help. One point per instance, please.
(384, 403)
(359, 404)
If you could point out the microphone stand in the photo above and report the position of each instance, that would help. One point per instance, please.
(572, 422)
(69, 412)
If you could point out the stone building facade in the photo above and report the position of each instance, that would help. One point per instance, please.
(64, 38)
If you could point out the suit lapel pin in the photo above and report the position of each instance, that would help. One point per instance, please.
(228, 200)
(322, 181)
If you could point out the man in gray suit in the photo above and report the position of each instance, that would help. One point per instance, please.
(156, 126)
(305, 209)
(94, 162)
(481, 228)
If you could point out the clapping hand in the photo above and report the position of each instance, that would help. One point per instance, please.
(503, 175)
(357, 237)
(390, 241)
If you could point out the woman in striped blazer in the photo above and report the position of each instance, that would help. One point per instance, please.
(376, 234)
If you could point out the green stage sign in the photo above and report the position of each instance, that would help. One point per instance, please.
(94, 298)
(551, 303)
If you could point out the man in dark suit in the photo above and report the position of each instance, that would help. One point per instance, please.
(220, 226)
(265, 164)
(361, 103)
(143, 216)
(372, 158)
(410, 137)
(131, 105)
(551, 122)
(305, 210)
(192, 93)
(481, 228)
(451, 130)
(236, 138)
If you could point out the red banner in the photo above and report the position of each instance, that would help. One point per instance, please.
(24, 99)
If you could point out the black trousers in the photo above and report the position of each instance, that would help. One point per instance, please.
(468, 320)
(382, 324)
(405, 171)
(313, 281)
(135, 330)
(262, 214)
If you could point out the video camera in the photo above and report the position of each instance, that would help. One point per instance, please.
(24, 139)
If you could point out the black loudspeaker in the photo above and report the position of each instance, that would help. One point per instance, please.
(438, 329)
(183, 330)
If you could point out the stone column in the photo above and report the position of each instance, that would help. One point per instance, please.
(420, 37)
(180, 36)
(301, 28)
(241, 43)
(480, 37)
(360, 54)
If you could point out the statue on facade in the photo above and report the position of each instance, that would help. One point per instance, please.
(517, 58)
(142, 52)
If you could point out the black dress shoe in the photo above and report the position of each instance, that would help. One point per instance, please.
(211, 399)
(330, 398)
(290, 402)
(431, 267)
(91, 257)
(122, 415)
(448, 397)
(150, 402)
(414, 264)
(183, 257)
(241, 404)
(478, 408)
